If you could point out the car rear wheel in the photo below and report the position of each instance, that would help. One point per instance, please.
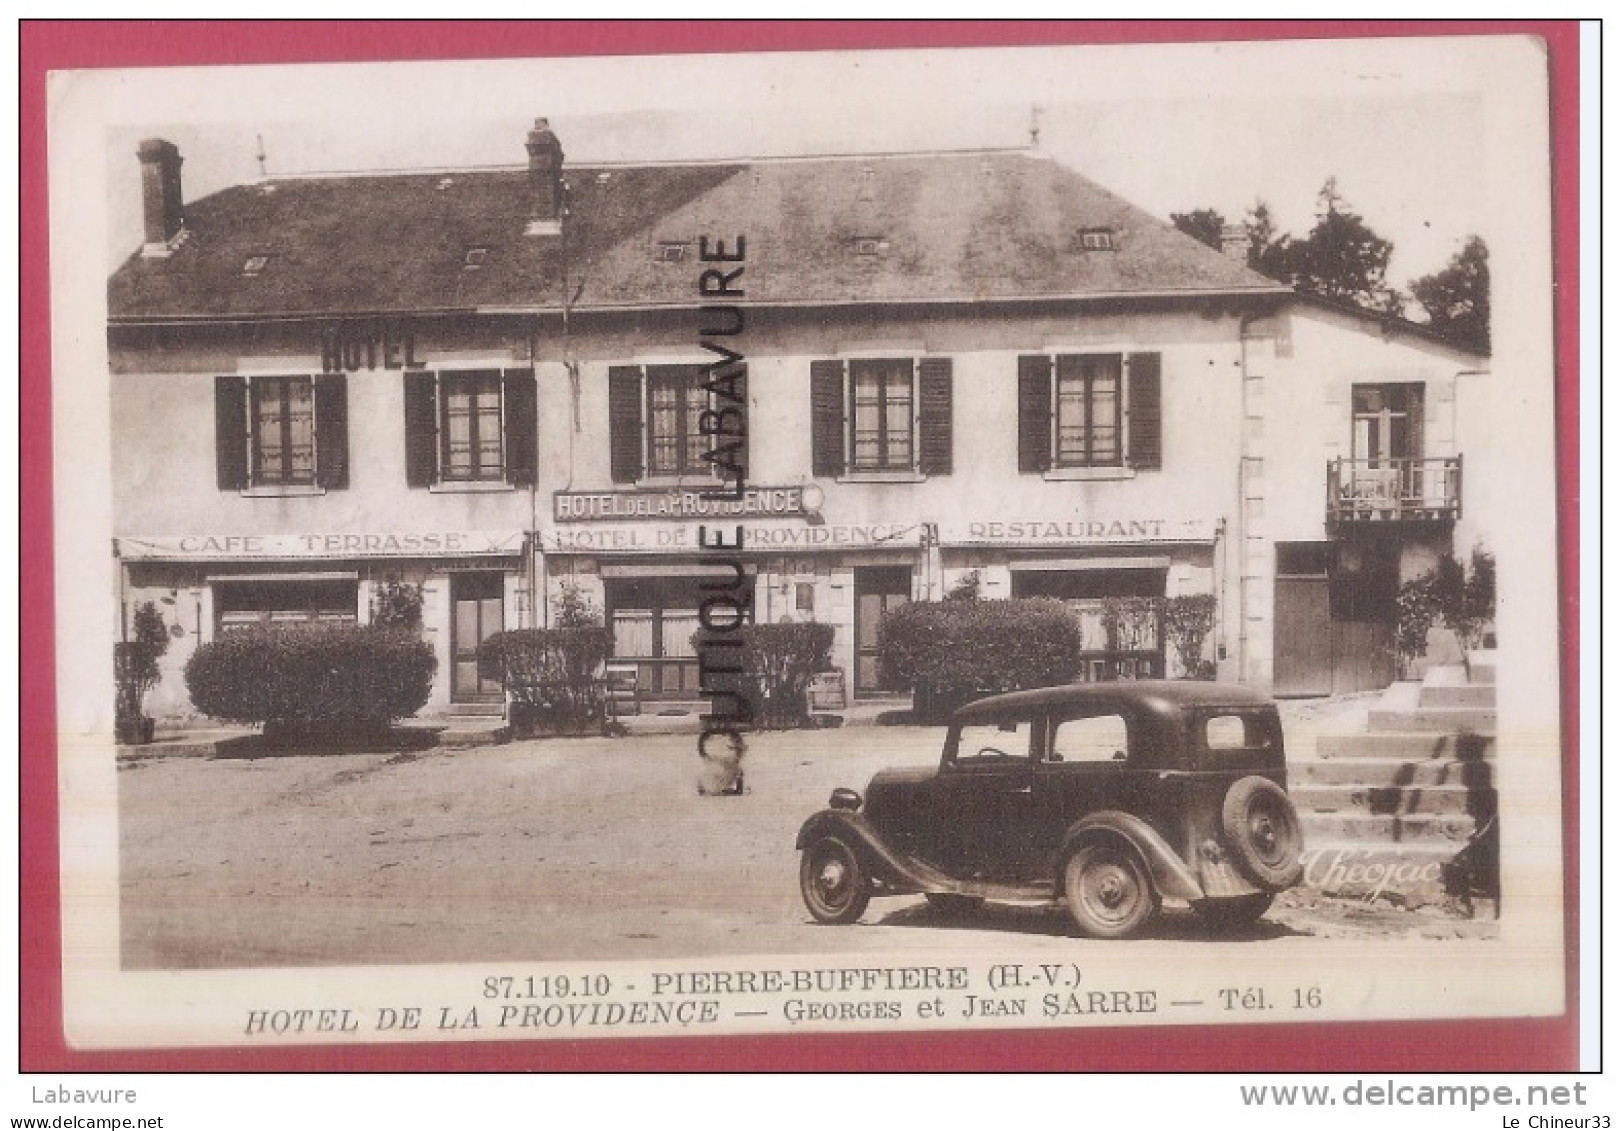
(832, 882)
(1237, 911)
(1263, 831)
(1108, 891)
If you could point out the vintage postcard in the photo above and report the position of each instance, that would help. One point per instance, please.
(1015, 539)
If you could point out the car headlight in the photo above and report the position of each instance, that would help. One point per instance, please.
(844, 799)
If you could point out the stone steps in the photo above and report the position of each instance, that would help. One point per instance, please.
(1356, 826)
(1388, 800)
(1435, 720)
(1375, 773)
(1406, 746)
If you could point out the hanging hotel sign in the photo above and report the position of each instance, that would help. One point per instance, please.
(403, 544)
(683, 504)
(1077, 531)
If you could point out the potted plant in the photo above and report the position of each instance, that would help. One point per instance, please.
(135, 666)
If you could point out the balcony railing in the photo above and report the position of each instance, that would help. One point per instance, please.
(1366, 491)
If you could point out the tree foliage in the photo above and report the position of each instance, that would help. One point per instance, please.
(1203, 224)
(1341, 258)
(1457, 298)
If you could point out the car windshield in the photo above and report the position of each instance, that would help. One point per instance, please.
(988, 743)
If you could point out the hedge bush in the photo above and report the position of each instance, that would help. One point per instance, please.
(949, 652)
(312, 679)
(552, 676)
(778, 660)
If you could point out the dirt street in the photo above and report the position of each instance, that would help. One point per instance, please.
(544, 850)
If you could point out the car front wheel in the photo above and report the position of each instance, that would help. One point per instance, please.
(1109, 893)
(833, 882)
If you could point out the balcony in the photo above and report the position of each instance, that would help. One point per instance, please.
(1364, 492)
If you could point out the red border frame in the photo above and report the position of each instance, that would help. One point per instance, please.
(1548, 1044)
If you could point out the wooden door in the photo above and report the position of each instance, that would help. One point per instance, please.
(1302, 638)
(476, 614)
(878, 590)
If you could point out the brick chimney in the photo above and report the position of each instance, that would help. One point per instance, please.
(1235, 242)
(164, 208)
(545, 181)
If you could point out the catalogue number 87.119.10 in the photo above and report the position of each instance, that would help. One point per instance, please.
(534, 987)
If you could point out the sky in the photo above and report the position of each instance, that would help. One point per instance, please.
(1404, 126)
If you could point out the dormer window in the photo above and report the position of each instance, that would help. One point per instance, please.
(1097, 239)
(670, 252)
(255, 265)
(871, 245)
(474, 259)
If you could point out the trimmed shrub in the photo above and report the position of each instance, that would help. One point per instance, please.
(779, 660)
(135, 669)
(1188, 622)
(949, 652)
(1462, 599)
(552, 676)
(321, 679)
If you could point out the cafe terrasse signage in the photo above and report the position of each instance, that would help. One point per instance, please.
(406, 544)
(681, 503)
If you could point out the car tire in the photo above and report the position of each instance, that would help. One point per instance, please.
(953, 903)
(1263, 832)
(833, 882)
(1108, 891)
(1234, 912)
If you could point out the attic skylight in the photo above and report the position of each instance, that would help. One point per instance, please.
(255, 265)
(1096, 239)
(870, 245)
(669, 251)
(474, 259)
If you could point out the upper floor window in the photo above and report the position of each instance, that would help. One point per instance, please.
(881, 415)
(1097, 410)
(470, 426)
(677, 421)
(281, 432)
(1387, 422)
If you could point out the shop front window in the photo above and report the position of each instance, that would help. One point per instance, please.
(1119, 613)
(253, 601)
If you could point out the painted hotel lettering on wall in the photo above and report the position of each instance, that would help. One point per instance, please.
(347, 347)
(676, 504)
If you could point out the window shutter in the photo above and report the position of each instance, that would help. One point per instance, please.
(1144, 405)
(230, 433)
(332, 431)
(518, 405)
(421, 430)
(934, 415)
(1035, 412)
(827, 418)
(625, 422)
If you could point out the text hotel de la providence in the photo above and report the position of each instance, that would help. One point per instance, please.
(972, 366)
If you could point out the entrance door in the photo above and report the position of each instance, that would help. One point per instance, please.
(475, 615)
(878, 590)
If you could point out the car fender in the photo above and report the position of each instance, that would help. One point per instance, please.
(1170, 875)
(897, 872)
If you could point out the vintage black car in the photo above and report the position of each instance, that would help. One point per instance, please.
(1109, 796)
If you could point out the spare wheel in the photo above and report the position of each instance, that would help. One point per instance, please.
(1263, 832)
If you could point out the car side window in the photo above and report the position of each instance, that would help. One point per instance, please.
(1097, 738)
(992, 744)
